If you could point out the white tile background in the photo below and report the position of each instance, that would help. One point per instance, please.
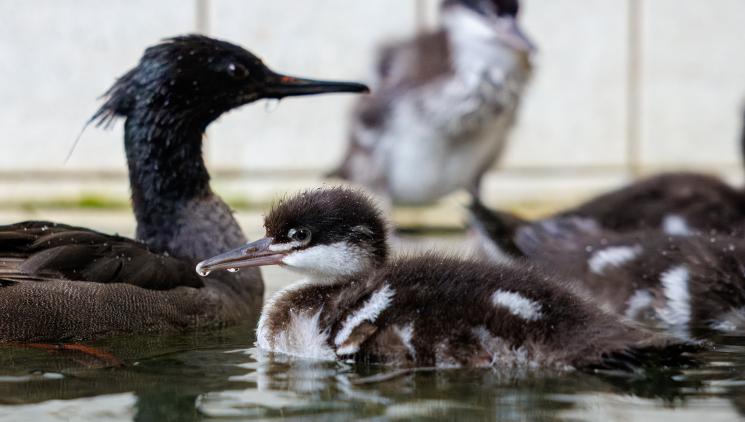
(682, 83)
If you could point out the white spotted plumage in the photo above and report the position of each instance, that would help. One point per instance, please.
(517, 304)
(406, 334)
(612, 256)
(637, 303)
(677, 311)
(676, 225)
(378, 302)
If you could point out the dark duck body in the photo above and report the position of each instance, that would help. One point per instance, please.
(692, 285)
(427, 310)
(64, 283)
(443, 105)
(676, 203)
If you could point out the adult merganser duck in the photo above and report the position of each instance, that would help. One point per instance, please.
(443, 105)
(64, 283)
(689, 284)
(429, 310)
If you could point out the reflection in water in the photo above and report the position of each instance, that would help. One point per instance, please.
(219, 375)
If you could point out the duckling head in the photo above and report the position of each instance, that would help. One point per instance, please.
(324, 234)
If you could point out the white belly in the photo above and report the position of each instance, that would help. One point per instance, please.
(302, 336)
(425, 164)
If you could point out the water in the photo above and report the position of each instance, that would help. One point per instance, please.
(219, 375)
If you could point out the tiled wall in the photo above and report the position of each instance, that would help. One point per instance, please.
(621, 85)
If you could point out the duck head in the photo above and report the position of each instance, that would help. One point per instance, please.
(489, 17)
(199, 78)
(325, 234)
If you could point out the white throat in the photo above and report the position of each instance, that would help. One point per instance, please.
(466, 26)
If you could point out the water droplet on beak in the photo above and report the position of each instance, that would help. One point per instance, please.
(202, 272)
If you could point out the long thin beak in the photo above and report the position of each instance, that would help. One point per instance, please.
(511, 34)
(279, 86)
(254, 254)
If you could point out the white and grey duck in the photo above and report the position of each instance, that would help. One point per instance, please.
(443, 105)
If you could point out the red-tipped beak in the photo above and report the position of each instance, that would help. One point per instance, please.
(280, 86)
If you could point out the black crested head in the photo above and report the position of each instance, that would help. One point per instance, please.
(329, 216)
(200, 78)
(488, 7)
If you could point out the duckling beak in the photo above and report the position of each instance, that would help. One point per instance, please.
(254, 254)
(280, 86)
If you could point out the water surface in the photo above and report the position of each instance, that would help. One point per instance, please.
(219, 375)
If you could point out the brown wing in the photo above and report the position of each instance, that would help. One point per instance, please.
(403, 66)
(41, 251)
(705, 202)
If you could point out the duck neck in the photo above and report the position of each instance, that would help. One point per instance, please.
(176, 211)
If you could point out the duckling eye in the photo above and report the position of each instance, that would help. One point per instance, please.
(237, 71)
(299, 235)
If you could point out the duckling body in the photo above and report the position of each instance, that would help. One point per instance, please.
(676, 203)
(443, 106)
(428, 310)
(61, 283)
(445, 312)
(687, 284)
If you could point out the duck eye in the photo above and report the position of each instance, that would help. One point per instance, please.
(237, 71)
(299, 235)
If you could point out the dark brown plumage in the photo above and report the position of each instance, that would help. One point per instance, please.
(704, 202)
(68, 283)
(687, 284)
(428, 310)
(701, 202)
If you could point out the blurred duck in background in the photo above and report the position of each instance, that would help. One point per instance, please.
(668, 250)
(681, 203)
(443, 105)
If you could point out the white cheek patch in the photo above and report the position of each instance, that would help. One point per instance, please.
(517, 304)
(676, 225)
(336, 259)
(675, 286)
(378, 302)
(283, 247)
(613, 256)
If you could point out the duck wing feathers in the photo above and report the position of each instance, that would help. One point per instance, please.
(704, 202)
(41, 251)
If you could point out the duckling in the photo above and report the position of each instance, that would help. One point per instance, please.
(677, 203)
(356, 302)
(443, 105)
(688, 284)
(60, 283)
